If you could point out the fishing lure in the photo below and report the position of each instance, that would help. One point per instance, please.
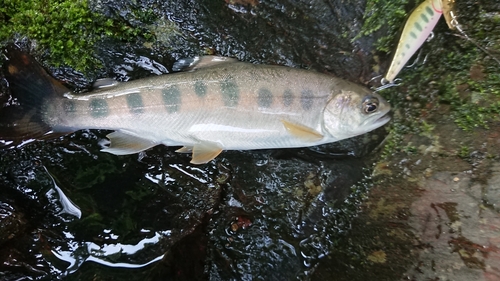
(449, 14)
(417, 29)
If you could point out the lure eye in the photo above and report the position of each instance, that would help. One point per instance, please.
(370, 105)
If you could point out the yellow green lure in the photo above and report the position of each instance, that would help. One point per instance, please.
(417, 29)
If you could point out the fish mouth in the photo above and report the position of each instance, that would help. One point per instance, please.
(379, 122)
(382, 120)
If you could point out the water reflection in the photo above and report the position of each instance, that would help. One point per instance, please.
(78, 252)
(68, 207)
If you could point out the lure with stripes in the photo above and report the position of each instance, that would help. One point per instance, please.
(417, 29)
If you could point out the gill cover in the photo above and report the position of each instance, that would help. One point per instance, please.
(350, 114)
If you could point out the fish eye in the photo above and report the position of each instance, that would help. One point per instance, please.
(370, 105)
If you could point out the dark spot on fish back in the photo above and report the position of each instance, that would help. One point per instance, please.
(135, 104)
(287, 98)
(200, 88)
(98, 108)
(230, 93)
(306, 99)
(429, 11)
(424, 18)
(265, 98)
(407, 46)
(413, 35)
(418, 26)
(171, 98)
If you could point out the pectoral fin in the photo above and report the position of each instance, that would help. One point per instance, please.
(204, 152)
(123, 144)
(303, 132)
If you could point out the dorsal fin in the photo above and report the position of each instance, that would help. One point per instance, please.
(190, 64)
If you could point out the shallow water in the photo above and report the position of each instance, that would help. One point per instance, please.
(78, 211)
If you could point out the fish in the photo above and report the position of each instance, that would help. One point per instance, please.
(216, 104)
(416, 30)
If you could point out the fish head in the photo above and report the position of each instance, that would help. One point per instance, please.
(351, 113)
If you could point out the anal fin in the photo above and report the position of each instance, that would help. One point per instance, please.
(205, 152)
(303, 132)
(123, 143)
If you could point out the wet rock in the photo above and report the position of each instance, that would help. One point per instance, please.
(461, 235)
(272, 212)
(12, 222)
(492, 188)
(125, 206)
(311, 35)
(185, 260)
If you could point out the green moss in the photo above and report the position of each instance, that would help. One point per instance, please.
(410, 149)
(399, 127)
(426, 129)
(164, 31)
(471, 83)
(471, 116)
(464, 152)
(383, 13)
(473, 103)
(90, 175)
(69, 29)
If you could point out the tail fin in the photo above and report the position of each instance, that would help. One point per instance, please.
(21, 118)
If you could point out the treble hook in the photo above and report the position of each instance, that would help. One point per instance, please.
(386, 84)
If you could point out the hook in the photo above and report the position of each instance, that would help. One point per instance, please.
(386, 84)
